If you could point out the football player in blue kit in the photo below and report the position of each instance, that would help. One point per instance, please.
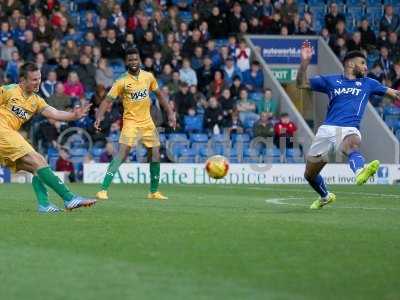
(348, 96)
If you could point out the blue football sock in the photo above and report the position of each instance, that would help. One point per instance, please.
(319, 186)
(356, 161)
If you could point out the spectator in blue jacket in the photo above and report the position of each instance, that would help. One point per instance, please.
(231, 71)
(253, 79)
(48, 87)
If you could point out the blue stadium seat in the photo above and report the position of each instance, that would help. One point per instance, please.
(354, 3)
(249, 123)
(199, 138)
(240, 138)
(193, 123)
(78, 152)
(177, 137)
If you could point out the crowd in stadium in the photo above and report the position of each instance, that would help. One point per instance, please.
(195, 49)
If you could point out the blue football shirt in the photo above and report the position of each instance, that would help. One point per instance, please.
(347, 97)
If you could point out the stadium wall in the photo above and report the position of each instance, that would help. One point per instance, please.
(238, 174)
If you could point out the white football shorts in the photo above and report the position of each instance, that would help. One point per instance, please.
(329, 138)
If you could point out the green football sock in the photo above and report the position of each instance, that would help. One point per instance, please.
(111, 170)
(40, 191)
(154, 176)
(47, 176)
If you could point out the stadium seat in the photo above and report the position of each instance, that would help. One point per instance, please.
(193, 123)
(240, 138)
(78, 152)
(177, 137)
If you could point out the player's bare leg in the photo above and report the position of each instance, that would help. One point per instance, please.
(153, 156)
(314, 166)
(36, 164)
(351, 147)
(112, 169)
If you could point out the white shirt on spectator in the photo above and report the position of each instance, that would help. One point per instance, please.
(243, 58)
(188, 75)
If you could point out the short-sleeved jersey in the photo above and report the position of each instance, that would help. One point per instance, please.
(17, 108)
(347, 98)
(135, 94)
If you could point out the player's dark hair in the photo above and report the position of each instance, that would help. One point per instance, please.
(27, 67)
(131, 51)
(353, 54)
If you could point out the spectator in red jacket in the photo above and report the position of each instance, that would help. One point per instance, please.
(73, 87)
(64, 164)
(284, 132)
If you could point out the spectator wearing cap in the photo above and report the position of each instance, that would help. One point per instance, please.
(87, 73)
(253, 78)
(187, 74)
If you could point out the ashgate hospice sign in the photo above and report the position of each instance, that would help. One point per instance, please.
(238, 174)
(283, 51)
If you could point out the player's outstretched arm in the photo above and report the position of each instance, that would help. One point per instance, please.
(395, 94)
(165, 105)
(60, 115)
(306, 54)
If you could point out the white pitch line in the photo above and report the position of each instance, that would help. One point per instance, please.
(280, 201)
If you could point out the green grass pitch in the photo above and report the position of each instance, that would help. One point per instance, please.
(206, 242)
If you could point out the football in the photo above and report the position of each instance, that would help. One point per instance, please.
(217, 166)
